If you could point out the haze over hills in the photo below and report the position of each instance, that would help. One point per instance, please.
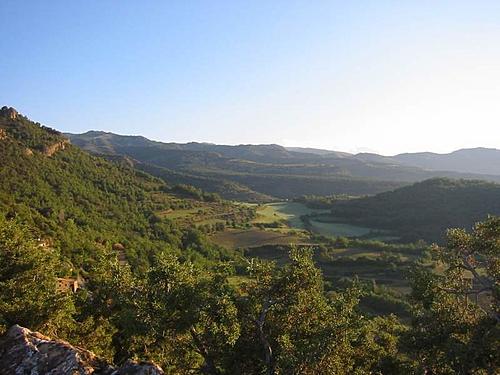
(472, 160)
(477, 160)
(318, 151)
(258, 171)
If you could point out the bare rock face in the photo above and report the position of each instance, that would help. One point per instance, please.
(9, 112)
(141, 368)
(25, 352)
(53, 148)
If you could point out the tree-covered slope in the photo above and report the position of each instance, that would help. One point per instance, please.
(81, 203)
(225, 188)
(425, 209)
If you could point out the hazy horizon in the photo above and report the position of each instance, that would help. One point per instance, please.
(269, 144)
(385, 77)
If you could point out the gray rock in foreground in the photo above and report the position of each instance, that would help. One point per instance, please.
(25, 352)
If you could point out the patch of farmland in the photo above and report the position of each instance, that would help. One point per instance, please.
(245, 238)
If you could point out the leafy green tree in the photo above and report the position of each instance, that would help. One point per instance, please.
(28, 282)
(378, 348)
(184, 318)
(107, 308)
(292, 327)
(456, 323)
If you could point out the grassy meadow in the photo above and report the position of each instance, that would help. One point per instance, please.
(280, 223)
(289, 212)
(255, 237)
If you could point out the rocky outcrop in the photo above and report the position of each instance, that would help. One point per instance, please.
(138, 368)
(9, 112)
(53, 148)
(25, 352)
(3, 134)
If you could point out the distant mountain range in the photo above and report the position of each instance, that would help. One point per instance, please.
(261, 172)
(474, 160)
(478, 160)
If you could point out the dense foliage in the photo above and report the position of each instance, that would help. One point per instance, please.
(28, 281)
(457, 311)
(321, 202)
(79, 203)
(279, 321)
(225, 188)
(154, 290)
(423, 210)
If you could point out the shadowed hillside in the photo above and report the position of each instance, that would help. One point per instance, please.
(245, 171)
(425, 209)
(474, 160)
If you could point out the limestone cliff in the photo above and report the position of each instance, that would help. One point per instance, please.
(53, 148)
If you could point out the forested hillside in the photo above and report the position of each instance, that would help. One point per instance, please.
(423, 210)
(82, 204)
(226, 188)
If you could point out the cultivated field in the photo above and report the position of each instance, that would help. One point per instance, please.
(339, 229)
(254, 237)
(289, 212)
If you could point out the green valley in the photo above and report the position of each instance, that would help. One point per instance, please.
(165, 269)
(250, 187)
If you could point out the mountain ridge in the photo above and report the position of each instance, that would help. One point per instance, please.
(298, 152)
(422, 159)
(271, 170)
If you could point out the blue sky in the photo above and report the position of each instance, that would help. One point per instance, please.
(388, 76)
